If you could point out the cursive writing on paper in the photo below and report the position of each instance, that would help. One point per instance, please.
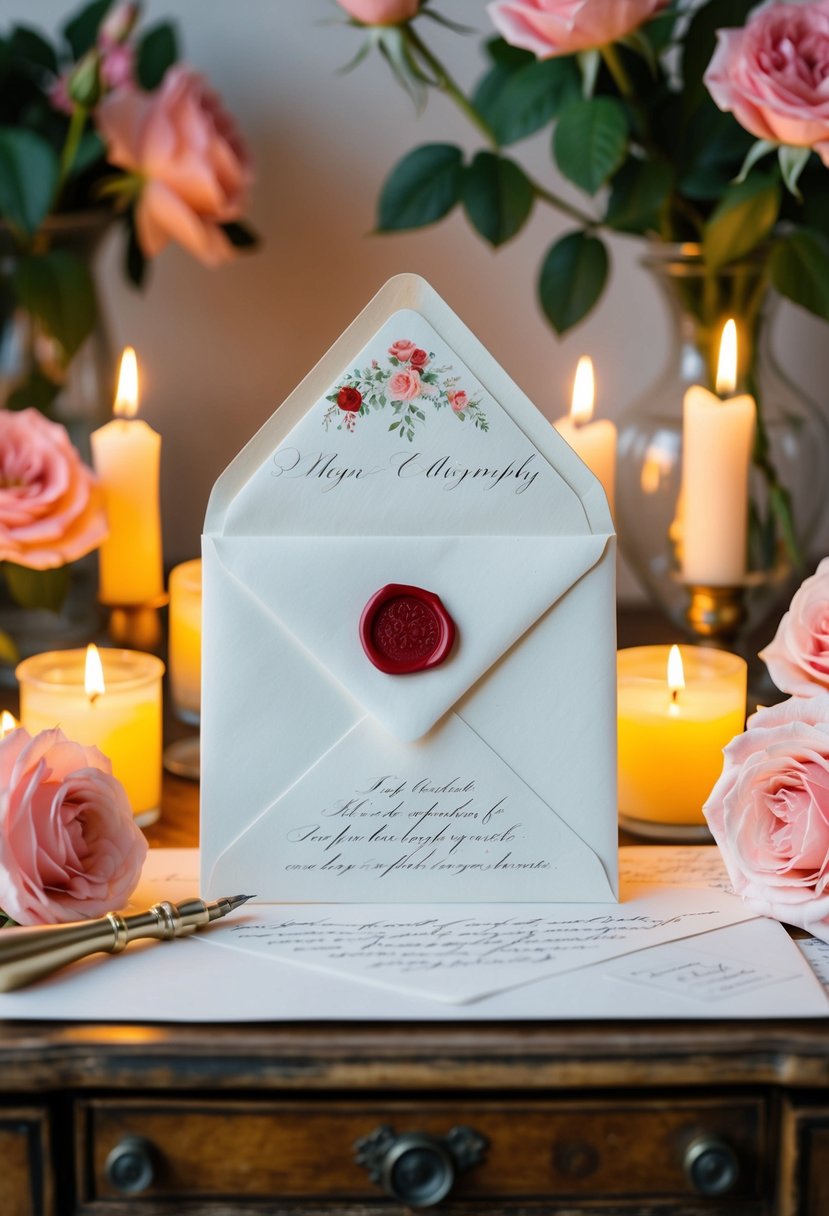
(444, 471)
(681, 970)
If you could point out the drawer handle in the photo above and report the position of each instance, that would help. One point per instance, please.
(415, 1168)
(711, 1166)
(130, 1167)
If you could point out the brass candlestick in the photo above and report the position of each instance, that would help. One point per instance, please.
(716, 614)
(137, 626)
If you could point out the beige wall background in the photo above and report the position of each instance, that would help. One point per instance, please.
(221, 349)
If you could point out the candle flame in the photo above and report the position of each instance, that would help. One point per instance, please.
(126, 396)
(584, 391)
(676, 672)
(93, 681)
(727, 362)
(8, 723)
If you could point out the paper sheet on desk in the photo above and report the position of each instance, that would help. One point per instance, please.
(747, 970)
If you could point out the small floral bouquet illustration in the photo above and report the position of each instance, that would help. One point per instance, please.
(408, 382)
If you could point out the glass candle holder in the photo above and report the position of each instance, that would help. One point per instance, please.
(184, 655)
(124, 721)
(671, 740)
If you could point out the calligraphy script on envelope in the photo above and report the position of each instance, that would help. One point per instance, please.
(408, 458)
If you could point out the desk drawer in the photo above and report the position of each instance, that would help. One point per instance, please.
(304, 1151)
(25, 1168)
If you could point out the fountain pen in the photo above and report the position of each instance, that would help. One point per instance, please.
(27, 954)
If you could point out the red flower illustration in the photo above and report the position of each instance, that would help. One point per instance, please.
(419, 358)
(349, 399)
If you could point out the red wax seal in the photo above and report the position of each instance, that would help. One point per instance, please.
(405, 629)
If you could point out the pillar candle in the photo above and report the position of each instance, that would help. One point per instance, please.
(593, 442)
(126, 454)
(185, 640)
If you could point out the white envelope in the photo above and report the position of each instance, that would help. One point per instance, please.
(488, 777)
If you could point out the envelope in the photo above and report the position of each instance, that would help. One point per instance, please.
(408, 636)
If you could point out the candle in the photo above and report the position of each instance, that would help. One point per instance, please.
(109, 698)
(594, 442)
(676, 712)
(717, 436)
(8, 723)
(126, 454)
(185, 640)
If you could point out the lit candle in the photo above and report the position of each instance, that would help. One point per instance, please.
(109, 698)
(126, 454)
(185, 640)
(676, 712)
(594, 442)
(717, 435)
(8, 723)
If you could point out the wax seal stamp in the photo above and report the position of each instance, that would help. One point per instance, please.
(406, 629)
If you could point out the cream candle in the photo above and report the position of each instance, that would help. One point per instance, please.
(116, 706)
(717, 436)
(126, 454)
(593, 441)
(673, 724)
(185, 640)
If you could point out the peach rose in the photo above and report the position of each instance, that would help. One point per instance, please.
(69, 847)
(459, 400)
(381, 12)
(194, 167)
(772, 74)
(405, 385)
(51, 510)
(402, 350)
(769, 813)
(798, 655)
(559, 27)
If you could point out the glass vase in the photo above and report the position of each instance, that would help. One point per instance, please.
(791, 450)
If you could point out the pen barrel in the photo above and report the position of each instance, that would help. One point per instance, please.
(27, 954)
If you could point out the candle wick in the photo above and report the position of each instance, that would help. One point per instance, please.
(93, 697)
(674, 695)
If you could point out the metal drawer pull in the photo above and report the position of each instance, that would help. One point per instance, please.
(711, 1165)
(417, 1169)
(130, 1167)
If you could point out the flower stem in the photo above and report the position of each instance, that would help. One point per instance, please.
(613, 61)
(73, 138)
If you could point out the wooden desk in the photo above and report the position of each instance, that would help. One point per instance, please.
(579, 1117)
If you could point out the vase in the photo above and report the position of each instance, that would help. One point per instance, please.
(791, 449)
(80, 394)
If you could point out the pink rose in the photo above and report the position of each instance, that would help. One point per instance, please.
(381, 12)
(769, 813)
(419, 358)
(559, 27)
(194, 166)
(51, 510)
(405, 385)
(798, 656)
(402, 350)
(772, 74)
(117, 66)
(69, 847)
(459, 400)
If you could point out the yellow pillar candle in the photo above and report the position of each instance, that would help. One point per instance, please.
(126, 454)
(120, 713)
(672, 730)
(717, 437)
(185, 640)
(593, 442)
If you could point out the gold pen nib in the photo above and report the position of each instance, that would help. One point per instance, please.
(228, 903)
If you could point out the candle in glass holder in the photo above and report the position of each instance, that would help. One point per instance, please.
(185, 640)
(109, 698)
(673, 725)
(593, 441)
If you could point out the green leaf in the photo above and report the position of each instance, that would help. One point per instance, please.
(240, 236)
(792, 163)
(37, 588)
(744, 217)
(498, 197)
(422, 188)
(516, 104)
(638, 196)
(503, 52)
(91, 149)
(37, 392)
(701, 39)
(756, 152)
(82, 29)
(57, 288)
(28, 178)
(799, 267)
(30, 47)
(573, 276)
(590, 141)
(157, 51)
(710, 152)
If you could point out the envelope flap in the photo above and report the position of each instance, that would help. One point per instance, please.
(495, 589)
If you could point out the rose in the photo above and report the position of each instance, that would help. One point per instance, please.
(381, 12)
(771, 74)
(402, 350)
(798, 655)
(69, 846)
(769, 813)
(405, 385)
(458, 400)
(51, 510)
(419, 358)
(559, 27)
(185, 150)
(349, 399)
